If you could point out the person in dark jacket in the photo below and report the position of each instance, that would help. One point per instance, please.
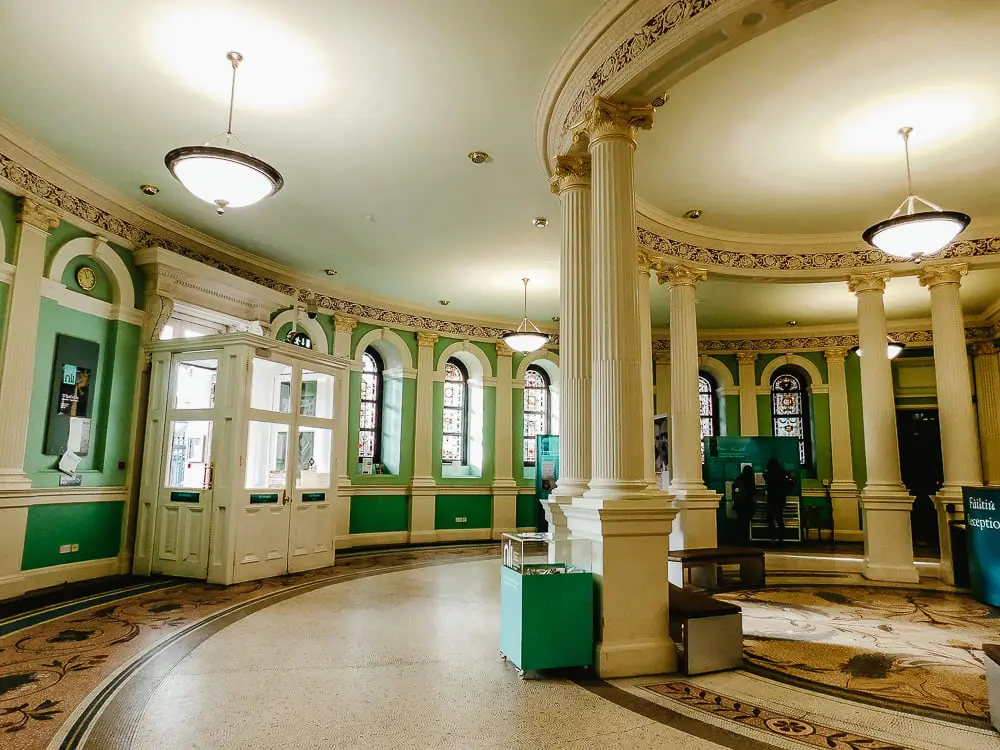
(776, 479)
(744, 491)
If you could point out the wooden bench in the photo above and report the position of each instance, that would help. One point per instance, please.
(751, 562)
(992, 663)
(708, 632)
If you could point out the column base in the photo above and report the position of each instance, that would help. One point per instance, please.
(569, 488)
(14, 479)
(888, 534)
(846, 515)
(504, 507)
(629, 540)
(950, 507)
(423, 493)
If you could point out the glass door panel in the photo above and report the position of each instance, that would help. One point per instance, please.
(267, 455)
(271, 386)
(315, 458)
(316, 395)
(189, 455)
(194, 383)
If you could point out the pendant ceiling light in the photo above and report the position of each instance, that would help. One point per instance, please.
(893, 349)
(527, 337)
(914, 234)
(220, 174)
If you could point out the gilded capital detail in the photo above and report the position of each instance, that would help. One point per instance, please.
(503, 350)
(873, 281)
(608, 119)
(746, 358)
(38, 216)
(661, 356)
(571, 171)
(344, 324)
(647, 263)
(838, 354)
(679, 275)
(426, 339)
(985, 349)
(943, 273)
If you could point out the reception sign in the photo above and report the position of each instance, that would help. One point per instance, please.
(982, 518)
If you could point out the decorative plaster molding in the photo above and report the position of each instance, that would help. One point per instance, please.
(607, 119)
(344, 323)
(38, 216)
(985, 349)
(571, 171)
(746, 358)
(871, 281)
(680, 275)
(837, 354)
(425, 338)
(503, 350)
(943, 273)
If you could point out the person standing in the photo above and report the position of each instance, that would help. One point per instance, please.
(776, 480)
(744, 501)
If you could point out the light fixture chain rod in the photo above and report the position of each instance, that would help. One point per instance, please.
(232, 98)
(909, 177)
(525, 298)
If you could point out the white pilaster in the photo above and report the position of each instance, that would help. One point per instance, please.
(748, 394)
(646, 264)
(884, 501)
(843, 490)
(987, 368)
(18, 358)
(504, 487)
(956, 412)
(422, 487)
(343, 327)
(626, 524)
(571, 182)
(696, 525)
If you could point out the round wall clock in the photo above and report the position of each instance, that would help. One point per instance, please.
(86, 278)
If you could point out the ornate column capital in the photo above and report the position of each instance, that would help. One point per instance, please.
(984, 349)
(344, 323)
(661, 356)
(571, 171)
(837, 354)
(870, 281)
(608, 119)
(746, 358)
(503, 350)
(942, 273)
(38, 216)
(427, 339)
(647, 263)
(679, 275)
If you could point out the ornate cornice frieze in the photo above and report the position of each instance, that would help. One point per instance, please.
(608, 119)
(38, 216)
(942, 273)
(664, 21)
(871, 281)
(571, 171)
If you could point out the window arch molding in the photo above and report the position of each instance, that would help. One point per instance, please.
(395, 353)
(724, 381)
(814, 378)
(122, 290)
(311, 326)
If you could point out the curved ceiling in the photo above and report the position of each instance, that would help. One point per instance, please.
(367, 108)
(794, 132)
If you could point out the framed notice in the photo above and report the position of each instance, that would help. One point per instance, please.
(72, 396)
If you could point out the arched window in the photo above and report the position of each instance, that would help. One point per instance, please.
(790, 409)
(708, 408)
(537, 410)
(370, 433)
(455, 437)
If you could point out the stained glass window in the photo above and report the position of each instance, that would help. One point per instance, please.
(537, 410)
(370, 432)
(790, 410)
(454, 443)
(708, 408)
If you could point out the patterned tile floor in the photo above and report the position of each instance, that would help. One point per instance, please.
(400, 652)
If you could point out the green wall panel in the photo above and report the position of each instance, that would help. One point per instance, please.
(822, 448)
(95, 527)
(3, 310)
(101, 290)
(113, 392)
(478, 509)
(371, 514)
(8, 222)
(852, 369)
(729, 421)
(526, 513)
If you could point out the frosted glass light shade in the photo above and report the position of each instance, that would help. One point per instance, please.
(917, 234)
(892, 350)
(223, 177)
(525, 341)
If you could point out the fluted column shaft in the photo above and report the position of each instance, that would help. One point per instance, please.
(987, 369)
(843, 490)
(885, 502)
(571, 183)
(959, 435)
(422, 487)
(18, 363)
(617, 467)
(646, 366)
(662, 360)
(748, 394)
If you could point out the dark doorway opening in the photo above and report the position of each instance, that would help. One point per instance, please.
(922, 471)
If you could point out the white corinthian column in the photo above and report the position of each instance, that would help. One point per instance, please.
(571, 182)
(627, 525)
(959, 432)
(987, 366)
(646, 265)
(696, 525)
(884, 501)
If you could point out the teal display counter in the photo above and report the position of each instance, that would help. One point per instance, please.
(982, 520)
(547, 620)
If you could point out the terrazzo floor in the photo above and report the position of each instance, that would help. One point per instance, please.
(406, 657)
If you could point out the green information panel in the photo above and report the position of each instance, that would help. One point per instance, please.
(185, 497)
(313, 497)
(269, 498)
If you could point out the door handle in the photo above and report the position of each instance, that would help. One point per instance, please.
(285, 499)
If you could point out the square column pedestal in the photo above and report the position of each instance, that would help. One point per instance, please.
(950, 506)
(629, 547)
(888, 538)
(696, 527)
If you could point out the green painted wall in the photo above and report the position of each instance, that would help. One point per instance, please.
(765, 427)
(526, 513)
(852, 370)
(478, 509)
(729, 419)
(371, 514)
(8, 222)
(822, 445)
(113, 392)
(95, 527)
(4, 290)
(102, 290)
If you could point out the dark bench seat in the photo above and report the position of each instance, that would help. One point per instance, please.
(708, 632)
(751, 562)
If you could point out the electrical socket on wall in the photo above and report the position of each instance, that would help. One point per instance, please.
(75, 548)
(65, 549)
(461, 519)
